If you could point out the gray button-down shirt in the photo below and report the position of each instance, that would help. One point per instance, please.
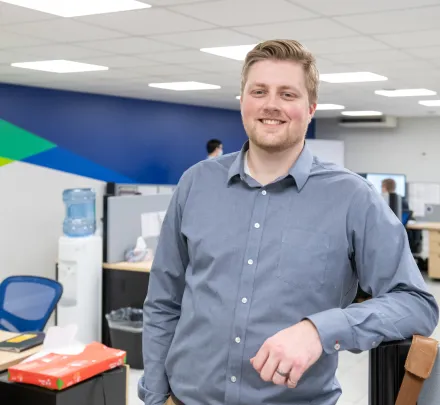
(238, 262)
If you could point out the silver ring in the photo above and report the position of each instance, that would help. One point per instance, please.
(283, 374)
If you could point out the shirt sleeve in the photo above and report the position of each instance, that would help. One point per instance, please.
(163, 301)
(400, 306)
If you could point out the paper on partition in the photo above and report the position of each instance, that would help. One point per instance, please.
(421, 194)
(151, 223)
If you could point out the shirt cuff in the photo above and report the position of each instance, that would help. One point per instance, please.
(150, 397)
(334, 330)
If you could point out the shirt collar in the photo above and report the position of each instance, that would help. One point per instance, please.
(300, 171)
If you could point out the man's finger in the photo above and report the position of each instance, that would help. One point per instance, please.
(269, 368)
(260, 358)
(296, 373)
(282, 373)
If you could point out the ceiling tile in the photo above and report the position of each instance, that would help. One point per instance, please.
(229, 13)
(9, 56)
(220, 66)
(163, 70)
(62, 51)
(411, 39)
(208, 38)
(182, 57)
(344, 7)
(63, 30)
(11, 40)
(10, 14)
(147, 22)
(132, 45)
(118, 61)
(359, 57)
(394, 21)
(162, 3)
(425, 53)
(319, 28)
(344, 45)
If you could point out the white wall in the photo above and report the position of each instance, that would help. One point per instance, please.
(412, 148)
(31, 216)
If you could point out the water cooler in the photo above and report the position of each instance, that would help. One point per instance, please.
(80, 267)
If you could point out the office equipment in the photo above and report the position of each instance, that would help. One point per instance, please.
(432, 213)
(80, 272)
(377, 178)
(123, 222)
(27, 302)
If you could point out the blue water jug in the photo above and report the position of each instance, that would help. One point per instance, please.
(80, 217)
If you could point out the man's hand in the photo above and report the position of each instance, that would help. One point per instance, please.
(285, 357)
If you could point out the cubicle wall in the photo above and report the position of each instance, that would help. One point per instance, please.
(127, 217)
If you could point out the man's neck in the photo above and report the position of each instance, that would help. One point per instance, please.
(265, 167)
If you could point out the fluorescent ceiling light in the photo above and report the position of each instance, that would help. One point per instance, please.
(405, 93)
(238, 97)
(351, 77)
(238, 52)
(430, 103)
(184, 86)
(76, 8)
(362, 113)
(323, 107)
(59, 66)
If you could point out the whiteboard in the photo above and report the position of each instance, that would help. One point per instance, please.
(328, 150)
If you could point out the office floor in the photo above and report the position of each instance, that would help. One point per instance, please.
(352, 372)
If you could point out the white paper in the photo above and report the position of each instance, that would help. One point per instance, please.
(59, 340)
(151, 223)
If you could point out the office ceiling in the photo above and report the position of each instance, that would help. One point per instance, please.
(399, 39)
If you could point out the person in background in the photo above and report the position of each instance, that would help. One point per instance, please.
(389, 186)
(260, 254)
(214, 147)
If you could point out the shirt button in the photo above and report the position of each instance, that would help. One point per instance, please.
(337, 346)
(234, 379)
(374, 344)
(244, 300)
(237, 340)
(257, 225)
(264, 192)
(250, 261)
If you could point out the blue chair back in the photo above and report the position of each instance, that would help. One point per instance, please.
(27, 302)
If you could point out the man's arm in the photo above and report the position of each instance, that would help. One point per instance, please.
(401, 305)
(163, 301)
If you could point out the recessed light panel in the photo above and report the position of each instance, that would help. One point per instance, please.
(59, 66)
(185, 86)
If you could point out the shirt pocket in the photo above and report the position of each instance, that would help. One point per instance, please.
(303, 258)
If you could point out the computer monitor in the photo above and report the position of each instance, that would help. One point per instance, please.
(377, 178)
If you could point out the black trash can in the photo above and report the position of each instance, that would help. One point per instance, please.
(387, 368)
(125, 327)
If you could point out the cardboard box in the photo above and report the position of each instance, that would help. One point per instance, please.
(109, 388)
(58, 372)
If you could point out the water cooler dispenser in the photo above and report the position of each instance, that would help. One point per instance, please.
(80, 266)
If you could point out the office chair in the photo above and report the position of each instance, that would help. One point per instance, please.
(27, 302)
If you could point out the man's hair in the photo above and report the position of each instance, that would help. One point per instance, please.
(389, 185)
(212, 145)
(285, 50)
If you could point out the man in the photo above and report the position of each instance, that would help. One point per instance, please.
(214, 147)
(389, 186)
(252, 305)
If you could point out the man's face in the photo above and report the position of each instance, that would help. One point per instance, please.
(275, 105)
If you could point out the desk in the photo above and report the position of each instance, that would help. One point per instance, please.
(124, 285)
(8, 359)
(434, 245)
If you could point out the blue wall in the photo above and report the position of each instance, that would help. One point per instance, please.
(143, 141)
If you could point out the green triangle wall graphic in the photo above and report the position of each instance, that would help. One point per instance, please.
(17, 144)
(4, 161)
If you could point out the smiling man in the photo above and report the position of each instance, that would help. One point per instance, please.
(253, 304)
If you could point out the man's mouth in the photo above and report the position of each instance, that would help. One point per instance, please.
(271, 122)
